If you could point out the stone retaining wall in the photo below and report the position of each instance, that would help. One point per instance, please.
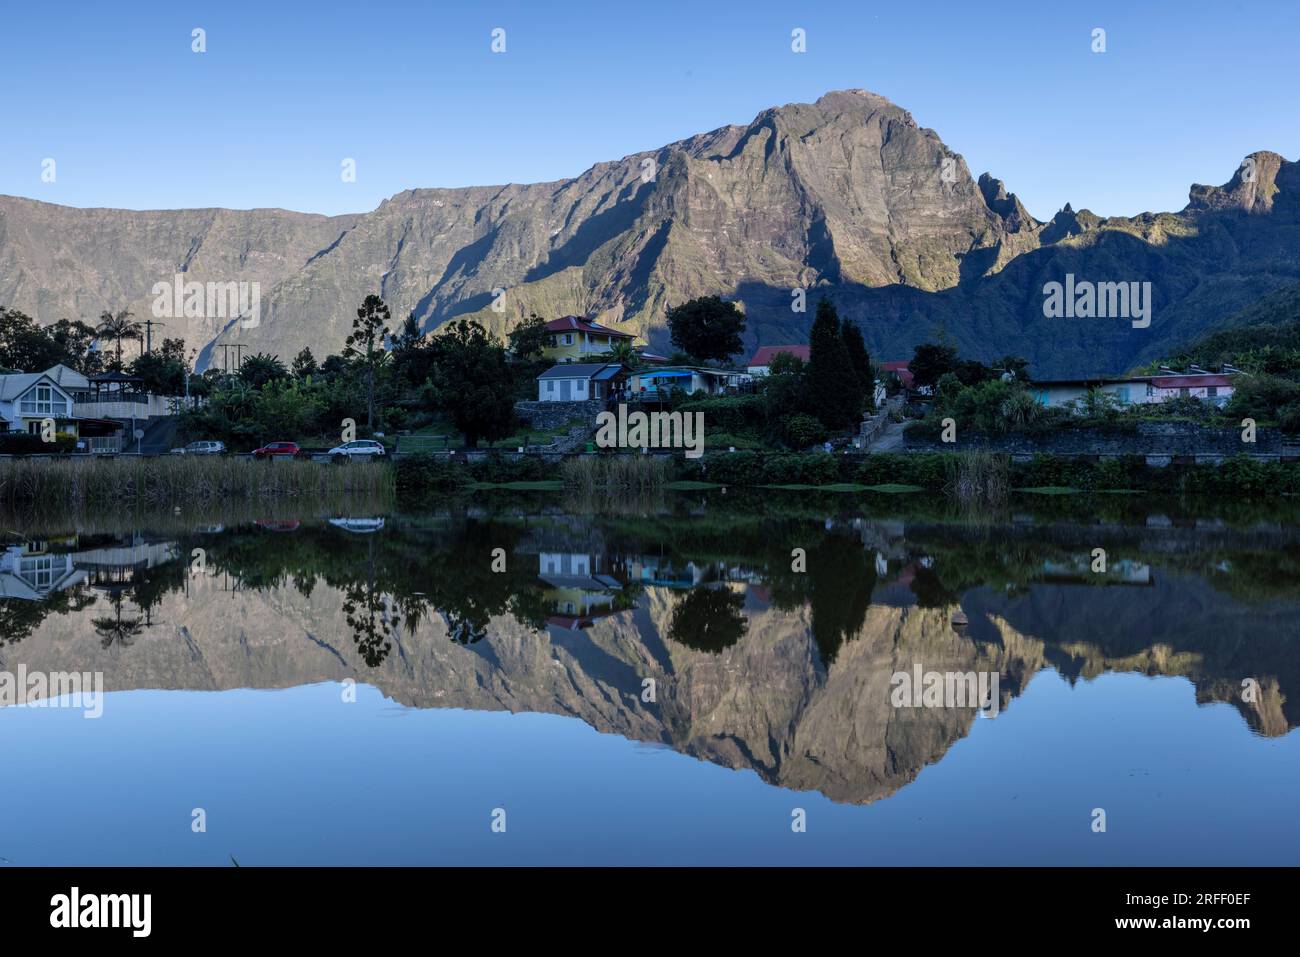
(550, 415)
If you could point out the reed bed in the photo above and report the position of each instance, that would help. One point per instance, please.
(636, 473)
(979, 478)
(78, 483)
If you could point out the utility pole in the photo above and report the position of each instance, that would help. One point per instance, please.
(148, 333)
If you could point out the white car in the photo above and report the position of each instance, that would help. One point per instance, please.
(202, 448)
(365, 450)
(362, 526)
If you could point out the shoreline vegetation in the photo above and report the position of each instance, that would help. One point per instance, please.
(981, 477)
(181, 480)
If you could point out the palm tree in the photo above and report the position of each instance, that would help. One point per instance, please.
(117, 631)
(115, 328)
(624, 352)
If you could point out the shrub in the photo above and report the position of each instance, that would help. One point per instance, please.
(24, 443)
(497, 469)
(800, 430)
(424, 473)
(732, 413)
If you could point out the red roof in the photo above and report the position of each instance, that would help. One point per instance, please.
(1187, 381)
(765, 354)
(900, 369)
(579, 324)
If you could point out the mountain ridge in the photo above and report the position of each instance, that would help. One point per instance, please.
(846, 197)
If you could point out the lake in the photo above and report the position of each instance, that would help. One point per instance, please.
(712, 677)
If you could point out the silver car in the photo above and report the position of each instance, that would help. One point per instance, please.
(362, 450)
(202, 448)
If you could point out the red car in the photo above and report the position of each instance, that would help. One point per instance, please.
(272, 450)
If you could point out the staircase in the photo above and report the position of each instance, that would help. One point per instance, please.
(159, 436)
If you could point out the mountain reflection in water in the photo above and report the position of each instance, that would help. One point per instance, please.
(693, 628)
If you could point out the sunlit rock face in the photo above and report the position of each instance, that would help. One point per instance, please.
(847, 197)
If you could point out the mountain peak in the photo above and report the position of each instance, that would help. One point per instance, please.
(1251, 188)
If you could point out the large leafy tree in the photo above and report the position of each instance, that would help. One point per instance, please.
(707, 328)
(24, 345)
(162, 371)
(931, 362)
(708, 619)
(529, 338)
(365, 346)
(75, 342)
(834, 390)
(115, 327)
(471, 381)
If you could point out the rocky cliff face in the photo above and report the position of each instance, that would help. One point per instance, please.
(766, 704)
(846, 197)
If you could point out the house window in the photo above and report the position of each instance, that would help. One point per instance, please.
(44, 400)
(1212, 391)
(550, 385)
(1122, 394)
(568, 338)
(1185, 392)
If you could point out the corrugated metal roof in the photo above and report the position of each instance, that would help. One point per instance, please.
(579, 324)
(765, 354)
(582, 370)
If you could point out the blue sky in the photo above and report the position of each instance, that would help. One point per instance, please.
(411, 91)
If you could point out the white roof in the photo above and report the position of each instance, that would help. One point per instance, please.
(12, 386)
(68, 378)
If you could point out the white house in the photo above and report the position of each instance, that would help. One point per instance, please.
(580, 382)
(63, 395)
(1137, 390)
(30, 572)
(29, 398)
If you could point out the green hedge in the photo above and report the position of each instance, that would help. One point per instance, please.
(729, 414)
(766, 468)
(420, 473)
(23, 443)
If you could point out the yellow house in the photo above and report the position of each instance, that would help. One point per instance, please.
(574, 339)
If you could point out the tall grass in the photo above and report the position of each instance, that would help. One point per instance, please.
(79, 483)
(979, 478)
(638, 473)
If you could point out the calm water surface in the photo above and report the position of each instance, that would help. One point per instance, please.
(652, 682)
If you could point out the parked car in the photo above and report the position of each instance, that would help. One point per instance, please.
(361, 526)
(201, 448)
(277, 450)
(365, 450)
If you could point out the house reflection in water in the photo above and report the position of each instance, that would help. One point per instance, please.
(580, 587)
(32, 570)
(35, 569)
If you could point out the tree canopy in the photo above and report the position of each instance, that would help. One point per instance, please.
(707, 328)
